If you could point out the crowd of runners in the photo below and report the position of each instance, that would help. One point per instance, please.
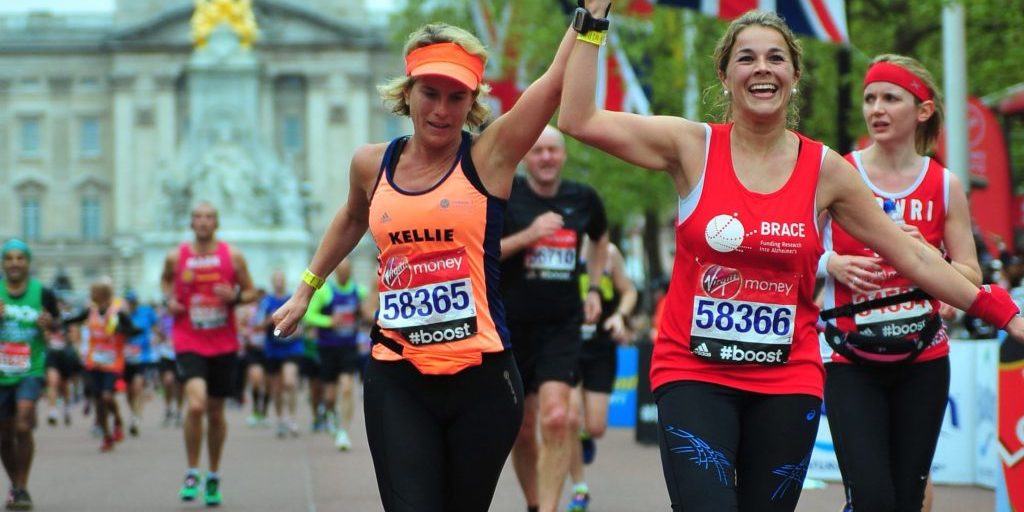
(491, 326)
(86, 352)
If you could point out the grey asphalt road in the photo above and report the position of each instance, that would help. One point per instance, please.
(263, 473)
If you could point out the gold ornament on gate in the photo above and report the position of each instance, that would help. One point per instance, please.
(208, 14)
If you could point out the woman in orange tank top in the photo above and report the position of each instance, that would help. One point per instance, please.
(738, 407)
(443, 399)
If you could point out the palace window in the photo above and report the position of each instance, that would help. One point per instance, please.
(89, 137)
(92, 218)
(31, 133)
(30, 218)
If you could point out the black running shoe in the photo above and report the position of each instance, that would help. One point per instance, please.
(19, 500)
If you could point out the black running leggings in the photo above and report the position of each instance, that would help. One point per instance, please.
(439, 442)
(727, 450)
(885, 423)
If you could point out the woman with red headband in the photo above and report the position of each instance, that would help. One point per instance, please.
(888, 380)
(443, 398)
(736, 369)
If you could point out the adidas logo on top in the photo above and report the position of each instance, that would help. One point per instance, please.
(702, 350)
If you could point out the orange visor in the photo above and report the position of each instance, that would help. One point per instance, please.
(446, 59)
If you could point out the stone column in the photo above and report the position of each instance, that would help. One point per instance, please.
(166, 145)
(62, 125)
(317, 146)
(361, 94)
(6, 155)
(268, 116)
(125, 255)
(124, 149)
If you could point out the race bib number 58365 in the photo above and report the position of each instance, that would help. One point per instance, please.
(428, 298)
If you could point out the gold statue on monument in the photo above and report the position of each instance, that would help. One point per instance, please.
(237, 14)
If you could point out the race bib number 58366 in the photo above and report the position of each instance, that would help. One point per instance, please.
(428, 298)
(743, 316)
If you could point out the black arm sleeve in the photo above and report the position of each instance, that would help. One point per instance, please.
(75, 319)
(50, 303)
(125, 325)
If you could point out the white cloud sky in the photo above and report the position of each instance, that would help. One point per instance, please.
(56, 5)
(8, 6)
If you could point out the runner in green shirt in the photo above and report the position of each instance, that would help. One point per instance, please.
(27, 310)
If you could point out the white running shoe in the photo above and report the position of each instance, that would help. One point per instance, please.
(341, 441)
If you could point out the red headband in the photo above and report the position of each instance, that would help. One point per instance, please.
(446, 59)
(889, 72)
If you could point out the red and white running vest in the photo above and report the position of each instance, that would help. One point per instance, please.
(923, 204)
(740, 310)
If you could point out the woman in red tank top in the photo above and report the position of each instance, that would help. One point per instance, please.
(443, 398)
(892, 395)
(736, 371)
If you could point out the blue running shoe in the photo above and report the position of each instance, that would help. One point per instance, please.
(580, 501)
(589, 448)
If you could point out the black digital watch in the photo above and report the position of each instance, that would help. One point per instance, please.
(583, 22)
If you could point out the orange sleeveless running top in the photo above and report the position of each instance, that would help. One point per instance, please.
(106, 345)
(440, 304)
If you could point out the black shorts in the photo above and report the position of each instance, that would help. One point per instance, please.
(546, 351)
(255, 356)
(29, 389)
(65, 361)
(272, 365)
(335, 361)
(101, 382)
(309, 367)
(217, 371)
(597, 365)
(133, 369)
(169, 365)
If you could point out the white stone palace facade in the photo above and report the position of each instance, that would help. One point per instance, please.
(95, 111)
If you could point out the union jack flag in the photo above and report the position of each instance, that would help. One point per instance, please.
(822, 19)
(618, 87)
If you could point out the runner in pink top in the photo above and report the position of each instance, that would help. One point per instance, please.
(203, 281)
(207, 325)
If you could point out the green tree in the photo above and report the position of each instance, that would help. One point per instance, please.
(995, 46)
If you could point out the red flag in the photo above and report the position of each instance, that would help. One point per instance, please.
(991, 202)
